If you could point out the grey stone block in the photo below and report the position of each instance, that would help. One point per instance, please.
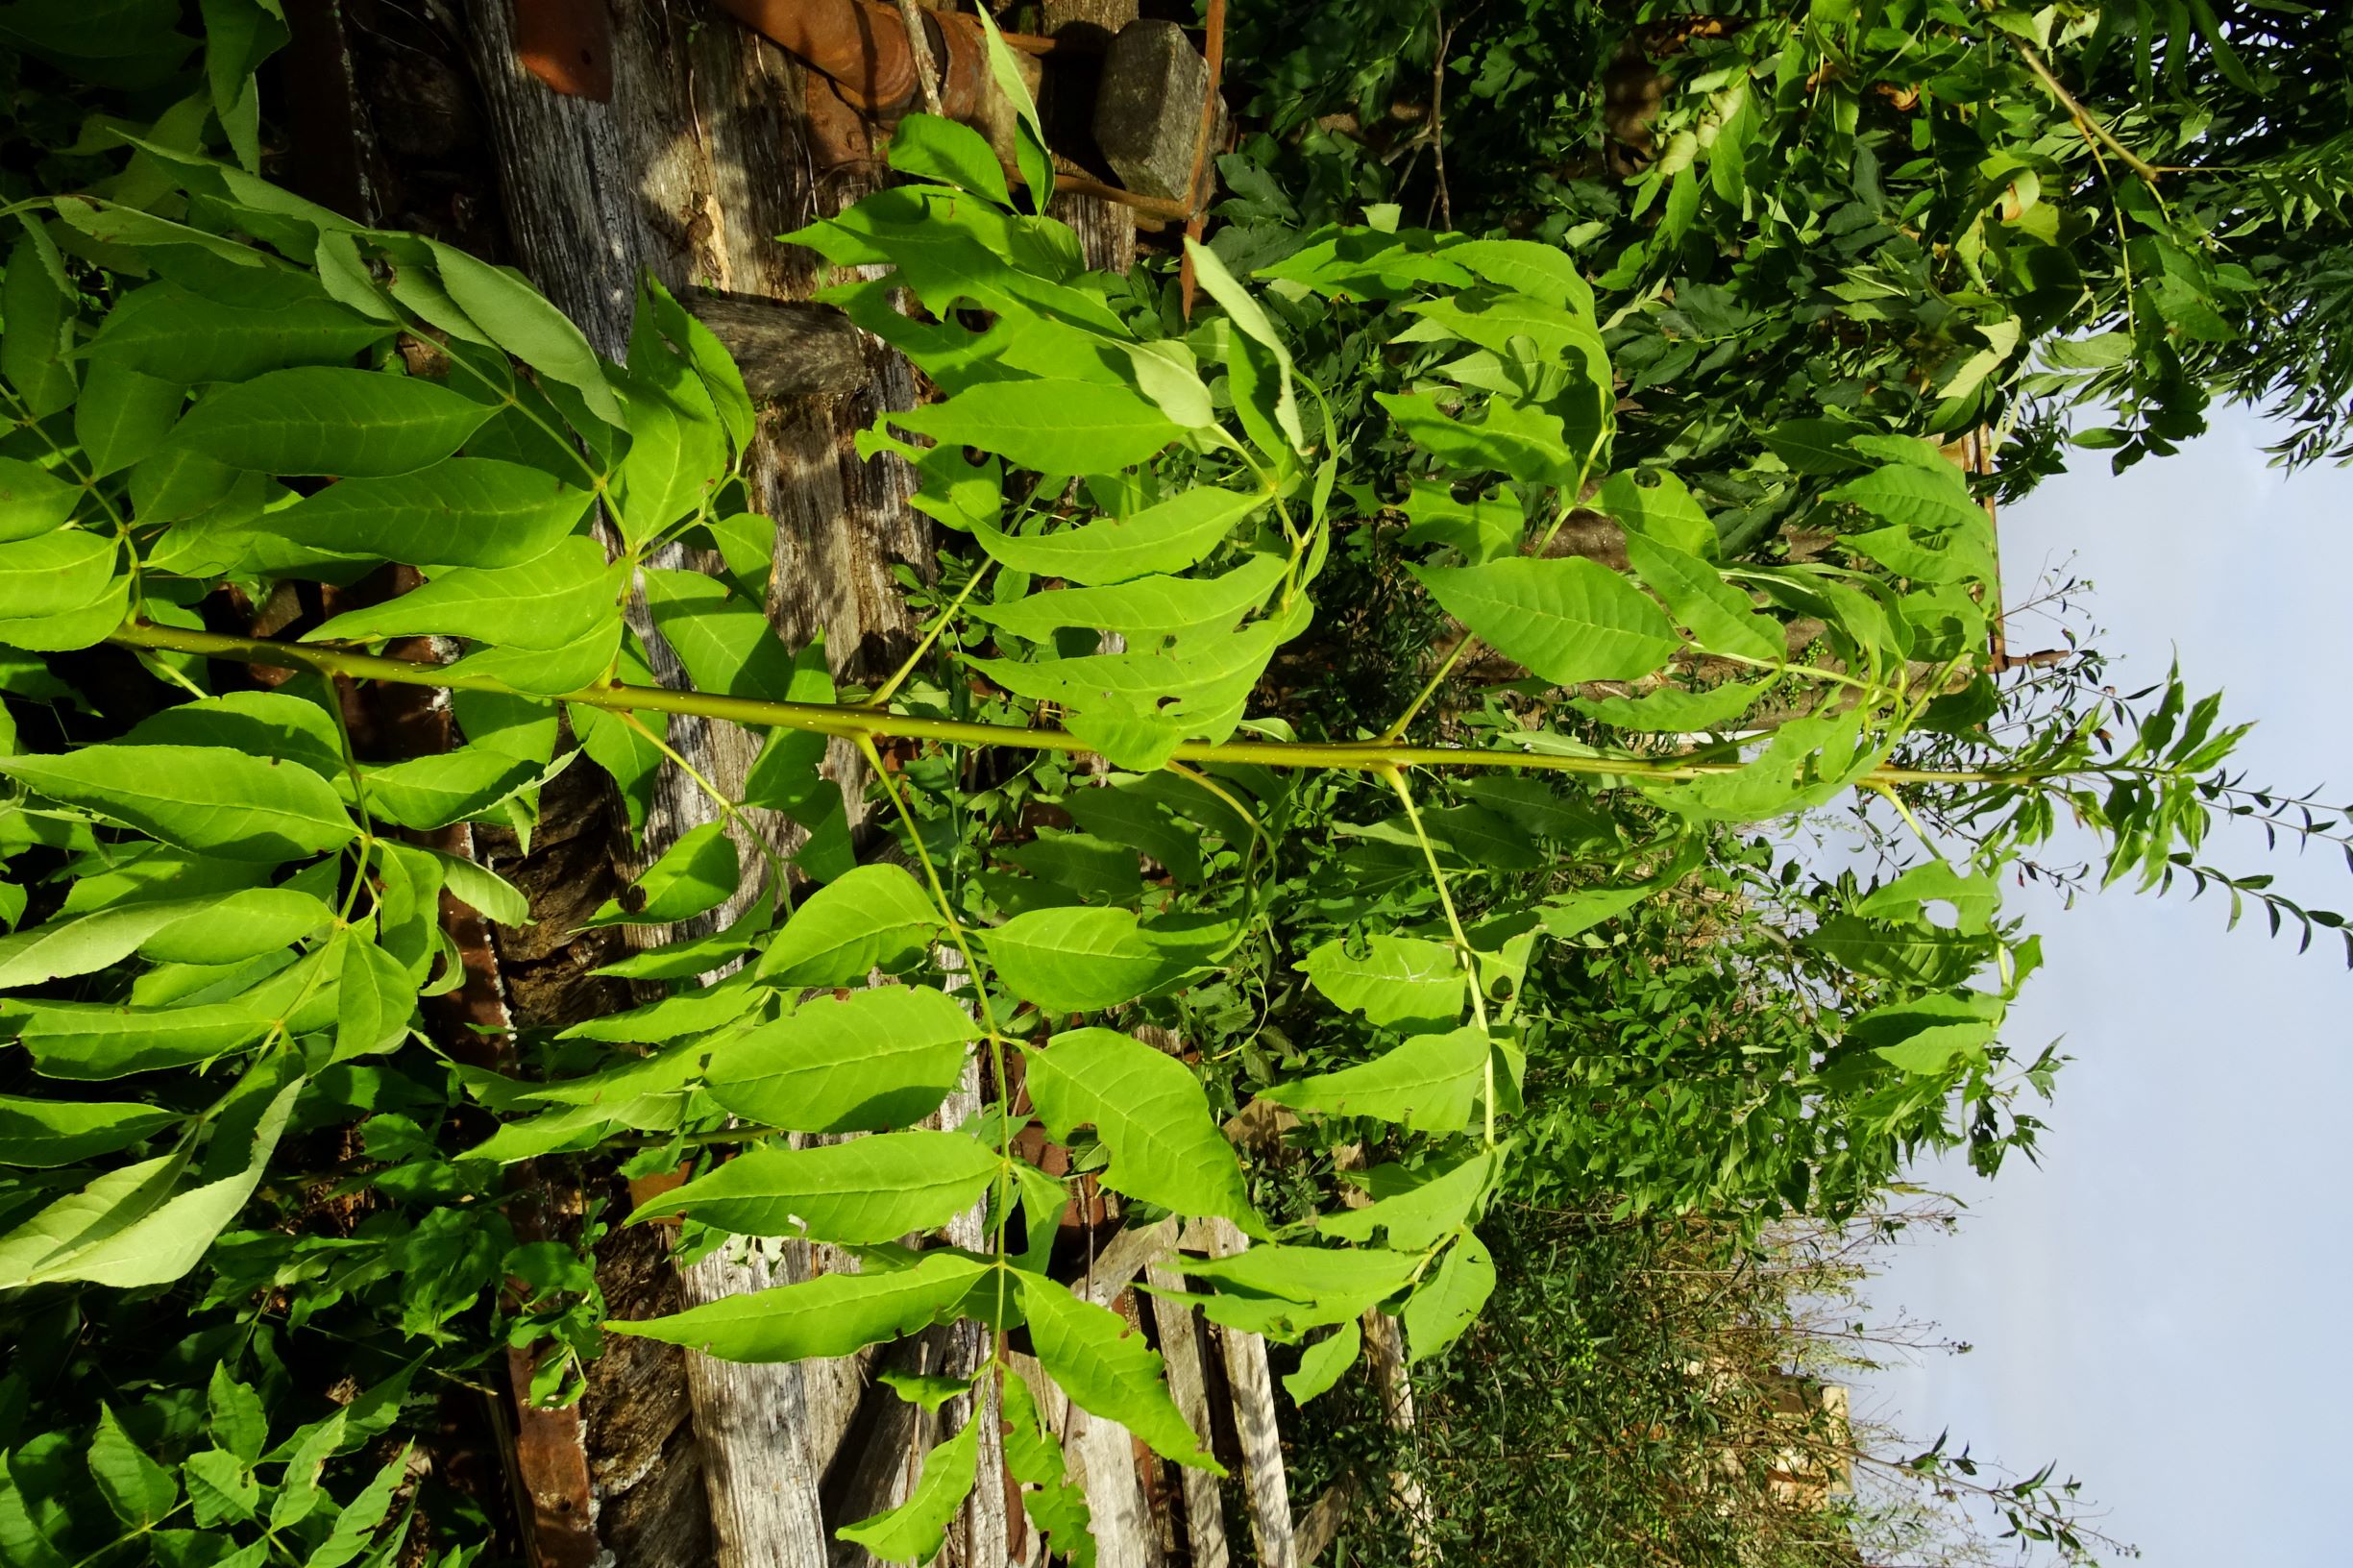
(1147, 112)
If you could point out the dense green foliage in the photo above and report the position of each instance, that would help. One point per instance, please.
(1503, 918)
(1877, 213)
(1639, 1394)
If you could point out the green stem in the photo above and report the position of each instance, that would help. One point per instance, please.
(1446, 667)
(855, 722)
(1463, 950)
(1809, 672)
(1568, 507)
(597, 481)
(980, 994)
(727, 808)
(883, 692)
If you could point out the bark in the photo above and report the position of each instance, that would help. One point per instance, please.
(687, 172)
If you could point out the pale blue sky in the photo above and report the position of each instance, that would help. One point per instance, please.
(2160, 1306)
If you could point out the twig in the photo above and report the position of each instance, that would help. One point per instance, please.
(1438, 121)
(1197, 199)
(918, 46)
(2081, 115)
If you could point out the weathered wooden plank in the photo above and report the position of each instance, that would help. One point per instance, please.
(1321, 1522)
(1255, 1422)
(981, 1541)
(1106, 230)
(752, 1422)
(687, 173)
(1180, 1347)
(786, 348)
(1102, 1456)
(1116, 1268)
(1384, 1352)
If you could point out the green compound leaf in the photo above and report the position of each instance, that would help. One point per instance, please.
(1671, 709)
(130, 1228)
(1973, 895)
(463, 511)
(1567, 620)
(1450, 1299)
(916, 1529)
(1083, 960)
(867, 1190)
(872, 918)
(1721, 617)
(485, 890)
(1108, 1370)
(1530, 449)
(1931, 499)
(374, 998)
(139, 1491)
(240, 925)
(447, 787)
(834, 1315)
(1479, 530)
(234, 1415)
(1285, 1290)
(1400, 982)
(1416, 1215)
(1663, 510)
(165, 330)
(209, 799)
(84, 944)
(1144, 610)
(929, 1390)
(42, 575)
(95, 1041)
(1806, 762)
(520, 320)
(43, 1134)
(1325, 1362)
(1919, 955)
(221, 1487)
(313, 419)
(1167, 536)
(1136, 708)
(1055, 427)
(123, 415)
(1053, 1502)
(864, 1063)
(1151, 1112)
(1558, 336)
(931, 147)
(544, 603)
(33, 500)
(1929, 1034)
(264, 723)
(1524, 266)
(723, 640)
(694, 876)
(1428, 1085)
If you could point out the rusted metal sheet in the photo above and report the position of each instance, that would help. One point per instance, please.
(567, 45)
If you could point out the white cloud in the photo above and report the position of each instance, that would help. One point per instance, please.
(2159, 1306)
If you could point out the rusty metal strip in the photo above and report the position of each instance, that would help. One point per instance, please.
(557, 1503)
(567, 45)
(1198, 216)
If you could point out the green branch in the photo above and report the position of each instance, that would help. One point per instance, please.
(859, 723)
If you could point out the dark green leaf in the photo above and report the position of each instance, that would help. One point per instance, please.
(313, 419)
